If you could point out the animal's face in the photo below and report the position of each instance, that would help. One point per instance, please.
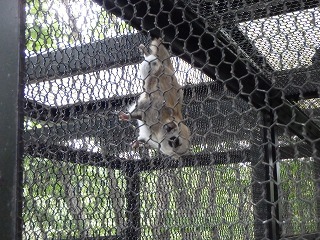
(150, 66)
(176, 139)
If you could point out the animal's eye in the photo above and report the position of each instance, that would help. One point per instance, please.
(169, 126)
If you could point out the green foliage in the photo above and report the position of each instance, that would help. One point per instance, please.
(298, 196)
(41, 27)
(55, 24)
(200, 200)
(31, 124)
(213, 197)
(186, 201)
(47, 211)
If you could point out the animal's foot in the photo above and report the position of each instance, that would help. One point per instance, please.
(135, 144)
(144, 50)
(123, 116)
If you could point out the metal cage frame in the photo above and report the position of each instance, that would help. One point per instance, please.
(206, 51)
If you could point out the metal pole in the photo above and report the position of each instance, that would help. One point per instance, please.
(272, 174)
(11, 117)
(133, 225)
(265, 175)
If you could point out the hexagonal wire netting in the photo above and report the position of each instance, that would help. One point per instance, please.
(249, 71)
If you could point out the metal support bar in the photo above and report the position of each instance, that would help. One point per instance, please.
(300, 83)
(108, 53)
(272, 175)
(78, 156)
(42, 112)
(133, 230)
(11, 117)
(247, 46)
(265, 176)
(259, 177)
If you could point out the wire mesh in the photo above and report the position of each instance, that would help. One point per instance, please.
(249, 75)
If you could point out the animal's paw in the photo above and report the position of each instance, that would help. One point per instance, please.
(123, 116)
(144, 50)
(135, 144)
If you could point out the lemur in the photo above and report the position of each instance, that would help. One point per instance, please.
(158, 109)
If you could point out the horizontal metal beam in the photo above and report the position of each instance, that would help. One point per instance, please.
(78, 156)
(100, 119)
(107, 53)
(247, 46)
(85, 132)
(299, 83)
(41, 112)
(68, 154)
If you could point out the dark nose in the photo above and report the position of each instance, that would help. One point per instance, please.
(174, 142)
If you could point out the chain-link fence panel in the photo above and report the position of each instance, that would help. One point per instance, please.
(171, 120)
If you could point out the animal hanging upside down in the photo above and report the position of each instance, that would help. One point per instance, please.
(158, 109)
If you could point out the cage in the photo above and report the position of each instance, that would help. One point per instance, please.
(249, 74)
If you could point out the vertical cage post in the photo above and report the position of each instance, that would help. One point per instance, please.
(11, 117)
(132, 195)
(265, 177)
(259, 177)
(272, 174)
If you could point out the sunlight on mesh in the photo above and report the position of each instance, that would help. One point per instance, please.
(85, 144)
(67, 23)
(289, 40)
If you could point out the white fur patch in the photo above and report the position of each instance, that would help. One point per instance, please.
(149, 66)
